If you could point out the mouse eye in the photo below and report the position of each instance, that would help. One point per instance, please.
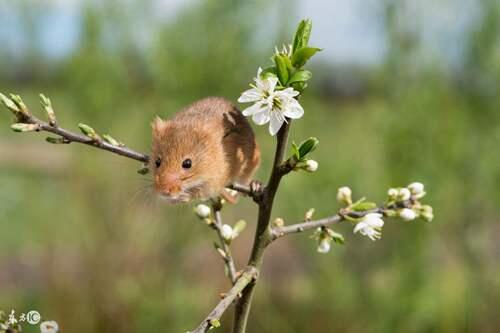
(187, 163)
(158, 162)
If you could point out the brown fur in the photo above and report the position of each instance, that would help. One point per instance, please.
(218, 139)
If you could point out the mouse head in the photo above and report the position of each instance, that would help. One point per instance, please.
(179, 160)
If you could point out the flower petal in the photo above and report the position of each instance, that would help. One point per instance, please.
(262, 117)
(289, 92)
(251, 110)
(293, 110)
(250, 95)
(275, 124)
(359, 226)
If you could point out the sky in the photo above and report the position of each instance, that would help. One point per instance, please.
(350, 31)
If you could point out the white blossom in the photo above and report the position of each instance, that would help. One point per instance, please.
(311, 166)
(392, 193)
(344, 195)
(417, 189)
(226, 232)
(270, 105)
(407, 214)
(404, 194)
(370, 225)
(203, 211)
(49, 327)
(324, 245)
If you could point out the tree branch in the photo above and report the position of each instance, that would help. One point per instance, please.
(227, 257)
(244, 189)
(263, 234)
(68, 137)
(249, 275)
(278, 232)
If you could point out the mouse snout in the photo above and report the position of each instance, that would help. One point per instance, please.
(168, 184)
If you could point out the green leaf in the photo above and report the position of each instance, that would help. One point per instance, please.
(307, 146)
(295, 151)
(300, 76)
(364, 206)
(299, 86)
(269, 71)
(302, 35)
(336, 237)
(282, 68)
(302, 55)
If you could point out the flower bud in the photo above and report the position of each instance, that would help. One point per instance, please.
(238, 228)
(49, 327)
(393, 193)
(324, 245)
(202, 211)
(417, 189)
(278, 222)
(47, 106)
(407, 214)
(404, 194)
(112, 141)
(20, 127)
(309, 214)
(9, 104)
(19, 103)
(311, 166)
(88, 131)
(426, 213)
(226, 232)
(344, 195)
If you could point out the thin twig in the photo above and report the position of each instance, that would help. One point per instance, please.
(242, 189)
(278, 232)
(300, 227)
(249, 274)
(69, 137)
(228, 258)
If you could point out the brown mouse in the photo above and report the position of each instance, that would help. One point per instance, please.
(201, 150)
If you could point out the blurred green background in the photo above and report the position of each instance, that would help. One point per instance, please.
(404, 91)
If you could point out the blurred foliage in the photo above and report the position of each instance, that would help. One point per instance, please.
(91, 247)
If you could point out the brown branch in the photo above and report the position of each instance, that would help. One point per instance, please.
(249, 275)
(23, 116)
(228, 258)
(263, 234)
(278, 232)
(242, 189)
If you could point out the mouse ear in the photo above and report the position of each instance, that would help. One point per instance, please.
(159, 125)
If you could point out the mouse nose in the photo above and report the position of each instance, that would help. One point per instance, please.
(168, 184)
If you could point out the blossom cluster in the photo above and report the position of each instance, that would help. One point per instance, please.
(368, 218)
(276, 89)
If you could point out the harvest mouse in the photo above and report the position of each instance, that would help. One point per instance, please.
(202, 149)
